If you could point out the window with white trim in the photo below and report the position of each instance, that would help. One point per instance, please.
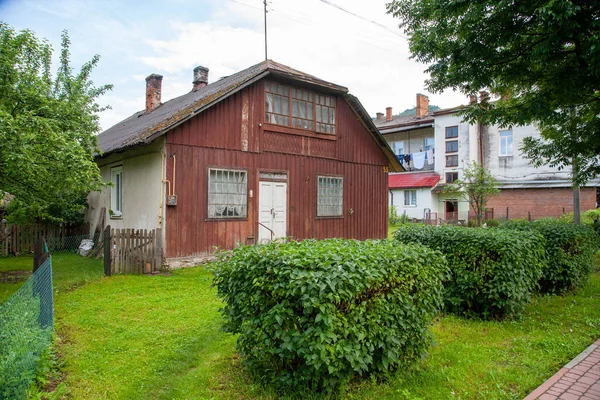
(506, 143)
(399, 148)
(116, 192)
(410, 198)
(330, 196)
(227, 193)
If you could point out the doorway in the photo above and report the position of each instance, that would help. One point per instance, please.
(272, 210)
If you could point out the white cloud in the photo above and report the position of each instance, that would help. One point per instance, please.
(364, 52)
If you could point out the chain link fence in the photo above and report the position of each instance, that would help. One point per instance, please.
(26, 325)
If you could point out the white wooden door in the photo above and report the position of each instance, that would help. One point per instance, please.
(272, 210)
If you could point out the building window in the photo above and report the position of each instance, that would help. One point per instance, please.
(227, 193)
(452, 161)
(410, 198)
(451, 146)
(451, 132)
(429, 143)
(330, 196)
(299, 108)
(506, 143)
(116, 192)
(451, 177)
(399, 148)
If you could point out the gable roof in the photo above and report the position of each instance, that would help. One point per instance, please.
(144, 127)
(413, 180)
(405, 121)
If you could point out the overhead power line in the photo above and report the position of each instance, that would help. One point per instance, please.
(329, 3)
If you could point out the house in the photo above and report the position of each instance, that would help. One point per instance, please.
(268, 152)
(525, 191)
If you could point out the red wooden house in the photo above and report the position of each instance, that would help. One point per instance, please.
(265, 153)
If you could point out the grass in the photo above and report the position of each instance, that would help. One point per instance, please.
(158, 337)
(69, 270)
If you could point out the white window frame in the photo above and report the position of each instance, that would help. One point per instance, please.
(431, 144)
(508, 146)
(227, 193)
(399, 147)
(410, 198)
(116, 192)
(330, 196)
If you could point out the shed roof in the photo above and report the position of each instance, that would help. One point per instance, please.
(144, 127)
(413, 180)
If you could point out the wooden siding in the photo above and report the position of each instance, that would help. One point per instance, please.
(229, 136)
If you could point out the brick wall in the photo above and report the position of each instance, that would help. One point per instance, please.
(539, 202)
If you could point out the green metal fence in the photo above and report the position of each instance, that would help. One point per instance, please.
(26, 325)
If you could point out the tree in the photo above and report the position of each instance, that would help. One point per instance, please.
(542, 57)
(47, 129)
(477, 187)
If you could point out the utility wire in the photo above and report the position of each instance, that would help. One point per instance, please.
(329, 3)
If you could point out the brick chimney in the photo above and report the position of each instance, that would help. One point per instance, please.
(422, 105)
(472, 99)
(200, 77)
(388, 113)
(153, 90)
(379, 116)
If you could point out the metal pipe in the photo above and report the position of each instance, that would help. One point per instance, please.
(174, 165)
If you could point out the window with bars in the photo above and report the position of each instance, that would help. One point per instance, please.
(297, 108)
(227, 193)
(116, 192)
(330, 196)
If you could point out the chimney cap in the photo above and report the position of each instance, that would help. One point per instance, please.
(201, 68)
(153, 77)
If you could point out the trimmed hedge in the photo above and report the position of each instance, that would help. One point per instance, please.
(569, 252)
(313, 314)
(493, 273)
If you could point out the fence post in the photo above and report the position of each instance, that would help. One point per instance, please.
(107, 250)
(158, 254)
(39, 256)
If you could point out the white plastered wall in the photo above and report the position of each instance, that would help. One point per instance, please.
(425, 200)
(143, 189)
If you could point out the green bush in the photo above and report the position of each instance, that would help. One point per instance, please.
(492, 272)
(492, 223)
(313, 314)
(569, 252)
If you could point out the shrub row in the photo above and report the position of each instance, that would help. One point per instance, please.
(569, 253)
(493, 273)
(312, 314)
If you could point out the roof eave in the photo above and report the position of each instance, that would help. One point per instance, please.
(393, 163)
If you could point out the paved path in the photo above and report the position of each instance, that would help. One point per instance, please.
(578, 380)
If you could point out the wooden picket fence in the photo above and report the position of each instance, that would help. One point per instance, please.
(132, 251)
(21, 239)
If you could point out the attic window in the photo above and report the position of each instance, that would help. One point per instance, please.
(297, 108)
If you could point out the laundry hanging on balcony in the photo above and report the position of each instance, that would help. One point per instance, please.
(419, 160)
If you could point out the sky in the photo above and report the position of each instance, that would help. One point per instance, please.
(352, 43)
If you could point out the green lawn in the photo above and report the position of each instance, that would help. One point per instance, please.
(158, 337)
(69, 270)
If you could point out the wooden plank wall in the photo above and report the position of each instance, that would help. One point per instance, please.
(135, 251)
(20, 239)
(232, 135)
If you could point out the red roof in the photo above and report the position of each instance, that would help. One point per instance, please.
(413, 180)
